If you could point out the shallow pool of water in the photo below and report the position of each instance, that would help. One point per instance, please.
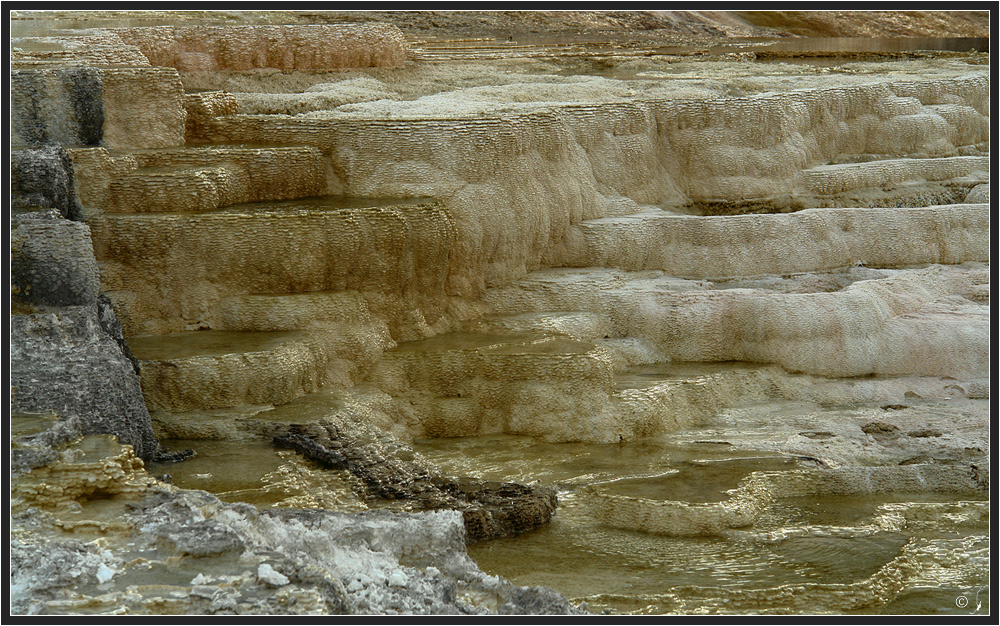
(815, 554)
(257, 473)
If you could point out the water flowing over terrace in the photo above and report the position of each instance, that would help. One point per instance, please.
(642, 312)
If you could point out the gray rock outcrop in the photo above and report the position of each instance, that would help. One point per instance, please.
(67, 352)
(44, 177)
(66, 362)
(38, 117)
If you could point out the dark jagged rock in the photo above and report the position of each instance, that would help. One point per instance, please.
(113, 327)
(86, 93)
(324, 457)
(171, 456)
(52, 261)
(63, 361)
(44, 178)
(502, 509)
(67, 351)
(490, 509)
(26, 107)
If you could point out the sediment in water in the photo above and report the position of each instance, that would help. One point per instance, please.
(402, 246)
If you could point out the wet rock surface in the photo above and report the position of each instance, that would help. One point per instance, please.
(387, 469)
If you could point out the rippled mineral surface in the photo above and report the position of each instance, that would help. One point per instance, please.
(531, 312)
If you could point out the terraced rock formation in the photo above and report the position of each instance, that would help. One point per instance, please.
(339, 239)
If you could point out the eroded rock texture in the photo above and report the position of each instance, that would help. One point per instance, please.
(44, 178)
(388, 471)
(194, 48)
(97, 106)
(187, 552)
(67, 351)
(336, 238)
(65, 361)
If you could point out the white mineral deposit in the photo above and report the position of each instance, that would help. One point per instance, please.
(499, 312)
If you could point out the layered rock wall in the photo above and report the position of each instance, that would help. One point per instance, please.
(399, 253)
(518, 189)
(888, 326)
(67, 352)
(814, 240)
(182, 180)
(515, 182)
(94, 49)
(833, 179)
(286, 47)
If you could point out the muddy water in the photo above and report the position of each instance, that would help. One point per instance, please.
(256, 473)
(885, 553)
(816, 554)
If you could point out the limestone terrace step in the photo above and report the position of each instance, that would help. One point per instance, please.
(813, 240)
(180, 266)
(831, 179)
(215, 369)
(931, 321)
(200, 179)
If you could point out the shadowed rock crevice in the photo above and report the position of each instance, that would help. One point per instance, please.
(86, 93)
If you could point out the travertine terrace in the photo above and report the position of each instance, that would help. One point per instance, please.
(331, 226)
